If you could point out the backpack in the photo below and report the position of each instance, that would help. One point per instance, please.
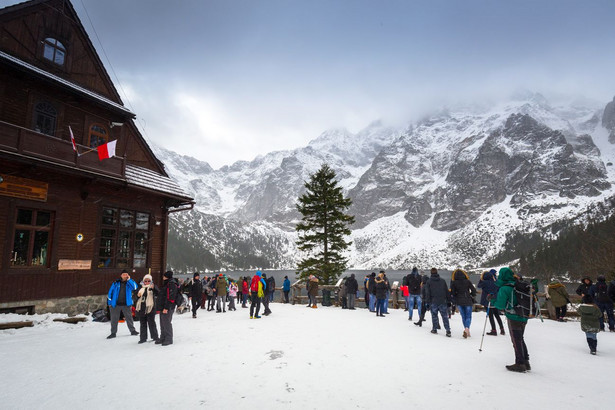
(601, 292)
(525, 303)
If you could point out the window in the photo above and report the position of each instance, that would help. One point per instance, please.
(45, 116)
(54, 51)
(124, 238)
(32, 239)
(98, 135)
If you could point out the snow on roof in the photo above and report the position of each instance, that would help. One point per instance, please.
(149, 179)
(66, 83)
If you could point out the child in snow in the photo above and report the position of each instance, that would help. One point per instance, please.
(590, 321)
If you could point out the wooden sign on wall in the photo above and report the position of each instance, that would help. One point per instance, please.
(74, 264)
(23, 188)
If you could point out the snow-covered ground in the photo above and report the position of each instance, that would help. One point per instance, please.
(300, 358)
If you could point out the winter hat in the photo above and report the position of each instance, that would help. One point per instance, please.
(493, 271)
(124, 271)
(285, 277)
(148, 276)
(434, 271)
(196, 275)
(265, 275)
(258, 273)
(168, 274)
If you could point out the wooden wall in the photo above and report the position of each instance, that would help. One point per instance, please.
(74, 215)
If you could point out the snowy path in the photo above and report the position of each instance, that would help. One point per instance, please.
(300, 358)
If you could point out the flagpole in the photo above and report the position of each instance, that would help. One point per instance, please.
(86, 152)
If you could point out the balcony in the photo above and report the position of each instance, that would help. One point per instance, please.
(29, 145)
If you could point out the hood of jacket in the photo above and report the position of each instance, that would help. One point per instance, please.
(459, 274)
(488, 276)
(505, 276)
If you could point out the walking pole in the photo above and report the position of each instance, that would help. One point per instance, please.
(480, 349)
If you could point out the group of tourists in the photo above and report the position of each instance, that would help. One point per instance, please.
(421, 292)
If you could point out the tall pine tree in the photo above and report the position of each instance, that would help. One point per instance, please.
(323, 227)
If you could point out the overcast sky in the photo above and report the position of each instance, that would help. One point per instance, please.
(225, 80)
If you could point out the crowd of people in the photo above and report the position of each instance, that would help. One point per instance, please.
(420, 292)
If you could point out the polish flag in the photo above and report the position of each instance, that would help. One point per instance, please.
(106, 150)
(72, 139)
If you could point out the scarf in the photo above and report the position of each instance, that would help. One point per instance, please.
(146, 295)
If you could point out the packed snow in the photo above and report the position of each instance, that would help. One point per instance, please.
(299, 358)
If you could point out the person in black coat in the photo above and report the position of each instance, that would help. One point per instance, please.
(585, 287)
(371, 286)
(424, 280)
(166, 303)
(352, 286)
(195, 293)
(413, 281)
(437, 296)
(381, 289)
(463, 293)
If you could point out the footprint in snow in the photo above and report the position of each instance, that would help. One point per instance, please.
(275, 354)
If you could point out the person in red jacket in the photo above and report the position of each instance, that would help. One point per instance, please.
(245, 291)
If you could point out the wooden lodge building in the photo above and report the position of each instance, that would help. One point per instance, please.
(69, 222)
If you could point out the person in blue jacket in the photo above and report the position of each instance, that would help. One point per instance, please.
(286, 288)
(119, 300)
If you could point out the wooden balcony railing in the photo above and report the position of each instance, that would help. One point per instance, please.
(33, 145)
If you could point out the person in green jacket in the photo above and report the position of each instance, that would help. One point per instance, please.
(590, 321)
(505, 302)
(560, 299)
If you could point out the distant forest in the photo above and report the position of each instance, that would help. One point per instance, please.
(584, 249)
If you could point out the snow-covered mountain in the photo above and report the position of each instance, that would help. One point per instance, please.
(445, 190)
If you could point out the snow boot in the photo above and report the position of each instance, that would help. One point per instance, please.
(434, 331)
(419, 323)
(465, 334)
(519, 368)
(492, 333)
(502, 332)
(111, 336)
(314, 307)
(527, 365)
(448, 333)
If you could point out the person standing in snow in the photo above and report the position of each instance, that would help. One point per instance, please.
(604, 300)
(463, 293)
(489, 293)
(438, 297)
(590, 321)
(313, 290)
(257, 291)
(286, 289)
(270, 281)
(366, 291)
(388, 294)
(232, 293)
(381, 293)
(414, 292)
(195, 293)
(371, 287)
(147, 294)
(221, 294)
(245, 291)
(506, 301)
(352, 287)
(169, 292)
(585, 286)
(119, 299)
(271, 288)
(560, 299)
(423, 310)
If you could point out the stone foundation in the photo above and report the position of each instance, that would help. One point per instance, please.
(71, 306)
